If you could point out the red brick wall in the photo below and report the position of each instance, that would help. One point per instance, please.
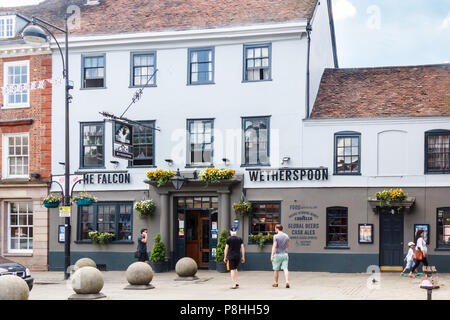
(39, 111)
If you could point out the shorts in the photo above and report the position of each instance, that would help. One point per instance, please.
(234, 263)
(410, 264)
(280, 261)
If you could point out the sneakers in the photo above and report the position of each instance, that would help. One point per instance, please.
(275, 285)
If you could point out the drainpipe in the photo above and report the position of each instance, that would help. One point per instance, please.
(308, 31)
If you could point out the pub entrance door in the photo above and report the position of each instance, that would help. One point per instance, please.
(391, 239)
(196, 234)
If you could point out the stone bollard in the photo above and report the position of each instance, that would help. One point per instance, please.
(84, 262)
(139, 275)
(186, 268)
(13, 288)
(87, 282)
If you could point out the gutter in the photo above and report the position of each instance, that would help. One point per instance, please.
(308, 33)
(333, 35)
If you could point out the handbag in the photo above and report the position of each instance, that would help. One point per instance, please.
(418, 255)
(137, 254)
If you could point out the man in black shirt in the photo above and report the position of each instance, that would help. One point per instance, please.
(142, 246)
(232, 254)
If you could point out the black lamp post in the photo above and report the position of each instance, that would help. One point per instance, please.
(34, 34)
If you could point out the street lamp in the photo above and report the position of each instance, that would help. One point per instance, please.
(178, 180)
(34, 34)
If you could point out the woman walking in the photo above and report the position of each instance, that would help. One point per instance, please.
(421, 252)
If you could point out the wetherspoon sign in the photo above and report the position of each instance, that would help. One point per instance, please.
(287, 174)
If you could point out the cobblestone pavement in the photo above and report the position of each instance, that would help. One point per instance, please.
(254, 285)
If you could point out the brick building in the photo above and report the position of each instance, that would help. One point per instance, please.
(25, 129)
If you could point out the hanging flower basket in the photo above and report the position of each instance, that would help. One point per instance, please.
(52, 200)
(160, 176)
(84, 202)
(84, 199)
(51, 204)
(242, 208)
(145, 208)
(212, 175)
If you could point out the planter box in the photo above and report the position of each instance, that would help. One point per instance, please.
(159, 266)
(408, 204)
(84, 202)
(221, 267)
(51, 204)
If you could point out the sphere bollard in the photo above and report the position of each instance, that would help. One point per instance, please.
(13, 288)
(139, 275)
(186, 268)
(84, 262)
(87, 282)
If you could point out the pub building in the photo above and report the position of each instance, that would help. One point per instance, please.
(309, 152)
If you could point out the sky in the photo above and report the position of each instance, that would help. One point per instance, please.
(371, 33)
(392, 32)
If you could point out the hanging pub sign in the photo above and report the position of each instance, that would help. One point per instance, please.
(287, 174)
(123, 140)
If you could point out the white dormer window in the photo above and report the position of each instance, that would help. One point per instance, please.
(7, 27)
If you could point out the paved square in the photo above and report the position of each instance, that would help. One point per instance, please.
(254, 285)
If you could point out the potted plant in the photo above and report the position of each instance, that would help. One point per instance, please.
(100, 237)
(242, 208)
(84, 199)
(52, 200)
(145, 208)
(158, 255)
(260, 239)
(220, 251)
(212, 175)
(160, 176)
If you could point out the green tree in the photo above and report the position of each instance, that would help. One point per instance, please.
(158, 250)
(221, 242)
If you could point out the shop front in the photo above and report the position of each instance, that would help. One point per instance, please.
(332, 229)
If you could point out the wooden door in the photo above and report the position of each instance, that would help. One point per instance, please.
(193, 236)
(391, 238)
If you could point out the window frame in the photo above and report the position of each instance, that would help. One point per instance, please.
(13, 26)
(334, 245)
(436, 132)
(346, 134)
(117, 204)
(92, 55)
(82, 125)
(20, 63)
(258, 164)
(189, 71)
(138, 53)
(8, 247)
(189, 163)
(5, 156)
(130, 163)
(251, 216)
(439, 246)
(244, 64)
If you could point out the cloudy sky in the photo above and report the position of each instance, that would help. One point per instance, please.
(382, 32)
(392, 32)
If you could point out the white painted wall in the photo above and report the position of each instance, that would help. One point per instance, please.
(392, 151)
(172, 101)
(321, 55)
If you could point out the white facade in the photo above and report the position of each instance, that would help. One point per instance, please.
(172, 101)
(392, 150)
